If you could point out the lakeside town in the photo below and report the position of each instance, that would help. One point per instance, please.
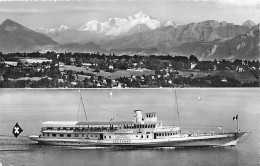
(95, 70)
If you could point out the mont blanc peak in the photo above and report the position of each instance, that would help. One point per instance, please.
(141, 15)
(119, 26)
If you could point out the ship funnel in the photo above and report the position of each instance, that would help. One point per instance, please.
(138, 116)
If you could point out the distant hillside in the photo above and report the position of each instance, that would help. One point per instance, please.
(171, 36)
(243, 46)
(15, 37)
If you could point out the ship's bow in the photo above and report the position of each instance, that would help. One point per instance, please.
(236, 138)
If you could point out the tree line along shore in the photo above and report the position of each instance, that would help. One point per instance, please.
(94, 70)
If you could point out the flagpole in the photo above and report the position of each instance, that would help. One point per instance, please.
(237, 123)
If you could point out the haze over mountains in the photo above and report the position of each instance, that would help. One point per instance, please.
(139, 34)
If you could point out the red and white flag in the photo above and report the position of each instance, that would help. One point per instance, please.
(235, 117)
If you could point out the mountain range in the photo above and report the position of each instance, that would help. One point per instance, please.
(138, 34)
(100, 32)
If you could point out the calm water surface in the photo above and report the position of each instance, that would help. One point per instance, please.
(216, 108)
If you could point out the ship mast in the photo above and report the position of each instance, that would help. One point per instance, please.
(81, 100)
(176, 101)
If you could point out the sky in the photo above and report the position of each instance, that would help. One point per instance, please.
(75, 13)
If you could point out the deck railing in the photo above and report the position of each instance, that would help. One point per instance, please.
(81, 130)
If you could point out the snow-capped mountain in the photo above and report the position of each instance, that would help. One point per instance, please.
(99, 32)
(51, 30)
(40, 30)
(121, 26)
(91, 26)
(170, 23)
(60, 28)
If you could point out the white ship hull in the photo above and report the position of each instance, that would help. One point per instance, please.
(220, 140)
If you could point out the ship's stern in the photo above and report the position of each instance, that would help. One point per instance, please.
(34, 137)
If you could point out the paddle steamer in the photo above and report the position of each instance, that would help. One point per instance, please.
(143, 131)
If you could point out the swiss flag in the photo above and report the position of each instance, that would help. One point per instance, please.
(17, 130)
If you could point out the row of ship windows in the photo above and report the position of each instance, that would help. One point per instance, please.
(71, 135)
(68, 135)
(166, 134)
(150, 115)
(137, 126)
(105, 137)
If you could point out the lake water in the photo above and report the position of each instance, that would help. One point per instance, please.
(216, 107)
